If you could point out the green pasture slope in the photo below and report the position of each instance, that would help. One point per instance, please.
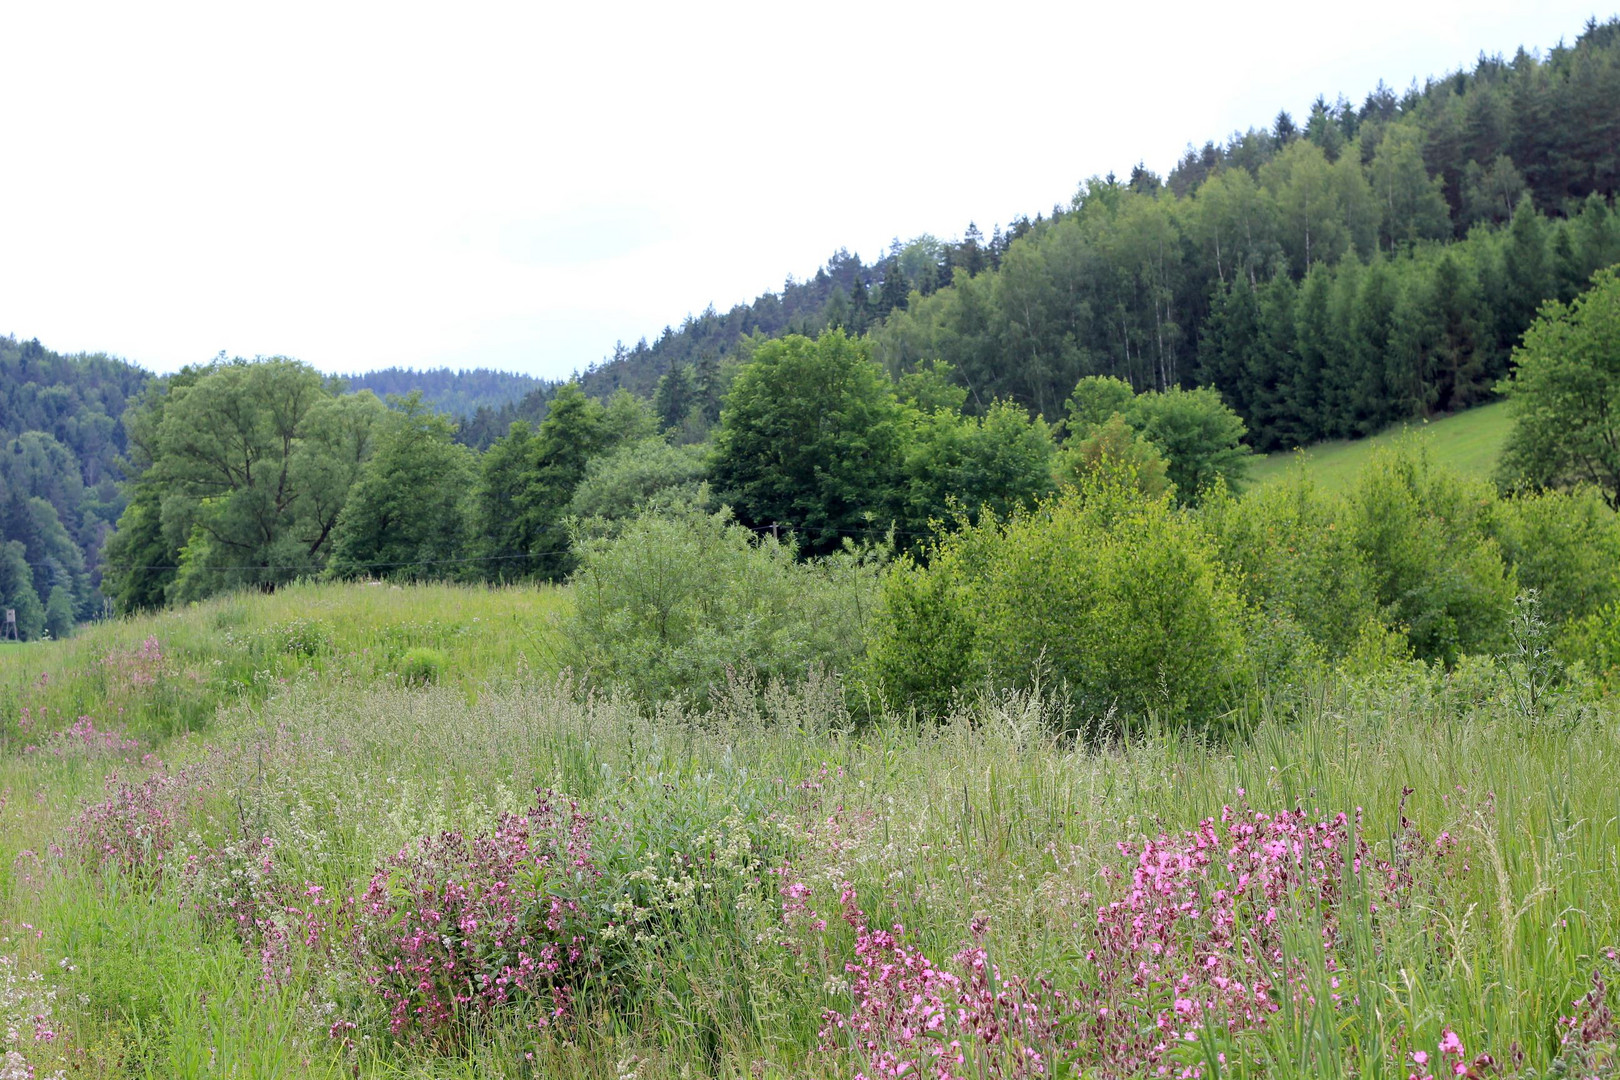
(1469, 442)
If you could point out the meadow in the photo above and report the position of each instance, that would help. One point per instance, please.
(1469, 442)
(352, 830)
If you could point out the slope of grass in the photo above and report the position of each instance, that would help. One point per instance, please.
(170, 671)
(1469, 442)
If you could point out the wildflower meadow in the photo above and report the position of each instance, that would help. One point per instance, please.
(507, 872)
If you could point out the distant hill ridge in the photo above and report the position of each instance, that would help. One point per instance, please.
(460, 391)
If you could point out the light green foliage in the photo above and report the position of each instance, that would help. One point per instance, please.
(1113, 597)
(1422, 532)
(1411, 202)
(1294, 559)
(1565, 546)
(421, 667)
(1115, 452)
(647, 471)
(1096, 398)
(240, 647)
(407, 514)
(1594, 642)
(679, 602)
(810, 439)
(1201, 440)
(1564, 395)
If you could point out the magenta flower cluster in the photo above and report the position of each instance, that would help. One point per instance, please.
(1187, 940)
(135, 826)
(134, 669)
(83, 739)
(454, 926)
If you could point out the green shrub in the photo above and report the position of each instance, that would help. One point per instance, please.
(1294, 560)
(680, 599)
(641, 473)
(1117, 597)
(1594, 643)
(59, 621)
(1564, 545)
(1423, 532)
(422, 667)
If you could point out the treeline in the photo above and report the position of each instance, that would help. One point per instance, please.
(252, 474)
(60, 439)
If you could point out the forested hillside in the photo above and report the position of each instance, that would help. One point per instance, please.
(60, 439)
(457, 391)
(1327, 275)
(1313, 280)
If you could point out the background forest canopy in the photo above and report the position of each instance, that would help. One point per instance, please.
(1325, 276)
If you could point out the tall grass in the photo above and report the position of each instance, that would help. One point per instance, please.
(710, 832)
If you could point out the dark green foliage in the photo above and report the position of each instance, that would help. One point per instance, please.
(247, 466)
(17, 591)
(996, 463)
(1199, 441)
(406, 516)
(1565, 395)
(60, 438)
(810, 441)
(528, 478)
(1202, 439)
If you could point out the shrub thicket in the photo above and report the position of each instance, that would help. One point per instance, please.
(1435, 569)
(1117, 596)
(678, 601)
(1295, 560)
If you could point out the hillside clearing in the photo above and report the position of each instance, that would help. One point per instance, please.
(1469, 442)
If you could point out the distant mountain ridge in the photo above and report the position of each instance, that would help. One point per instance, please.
(458, 391)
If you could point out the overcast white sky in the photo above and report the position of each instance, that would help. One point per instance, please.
(521, 185)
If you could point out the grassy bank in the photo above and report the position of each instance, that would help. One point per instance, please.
(1469, 442)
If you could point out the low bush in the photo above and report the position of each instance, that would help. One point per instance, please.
(1294, 559)
(422, 666)
(678, 601)
(1423, 533)
(1563, 544)
(1116, 596)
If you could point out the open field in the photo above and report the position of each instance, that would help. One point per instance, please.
(722, 888)
(1469, 442)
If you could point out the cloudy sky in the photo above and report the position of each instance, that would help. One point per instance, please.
(521, 185)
